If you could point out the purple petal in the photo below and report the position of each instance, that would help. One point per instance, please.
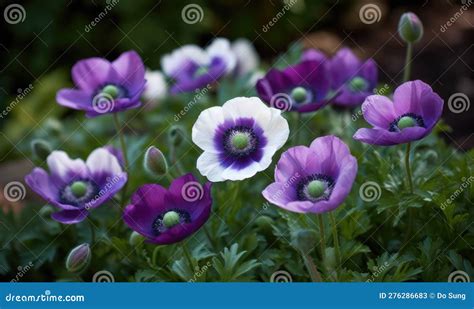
(298, 161)
(344, 65)
(103, 166)
(379, 111)
(330, 152)
(313, 54)
(63, 169)
(70, 216)
(75, 99)
(386, 138)
(407, 97)
(129, 66)
(92, 73)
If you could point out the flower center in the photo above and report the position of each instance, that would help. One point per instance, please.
(358, 84)
(406, 121)
(315, 188)
(201, 71)
(171, 218)
(111, 90)
(78, 193)
(79, 188)
(240, 141)
(299, 94)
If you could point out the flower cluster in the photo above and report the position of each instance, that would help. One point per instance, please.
(238, 139)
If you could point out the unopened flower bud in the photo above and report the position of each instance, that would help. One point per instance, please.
(410, 28)
(78, 258)
(135, 239)
(155, 162)
(41, 149)
(175, 135)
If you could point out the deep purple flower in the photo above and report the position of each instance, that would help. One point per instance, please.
(75, 186)
(105, 87)
(304, 87)
(414, 112)
(239, 138)
(350, 77)
(168, 216)
(193, 68)
(315, 179)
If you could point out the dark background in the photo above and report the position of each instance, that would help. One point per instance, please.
(42, 49)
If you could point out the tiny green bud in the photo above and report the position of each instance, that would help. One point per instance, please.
(264, 222)
(406, 122)
(46, 210)
(175, 135)
(111, 91)
(299, 94)
(135, 239)
(79, 188)
(358, 84)
(53, 126)
(155, 162)
(240, 140)
(316, 188)
(41, 149)
(410, 28)
(304, 240)
(79, 258)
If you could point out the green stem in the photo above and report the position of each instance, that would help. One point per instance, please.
(187, 254)
(208, 235)
(323, 238)
(312, 270)
(335, 237)
(407, 166)
(174, 161)
(124, 153)
(407, 70)
(299, 127)
(92, 229)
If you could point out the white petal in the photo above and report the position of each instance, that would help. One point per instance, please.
(205, 127)
(276, 130)
(221, 48)
(102, 161)
(246, 107)
(64, 168)
(208, 165)
(156, 87)
(172, 63)
(247, 57)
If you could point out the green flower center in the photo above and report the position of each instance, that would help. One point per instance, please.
(358, 84)
(240, 140)
(171, 218)
(299, 94)
(111, 90)
(406, 122)
(316, 188)
(201, 71)
(79, 188)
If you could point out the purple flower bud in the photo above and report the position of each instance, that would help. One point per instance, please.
(155, 162)
(410, 28)
(78, 258)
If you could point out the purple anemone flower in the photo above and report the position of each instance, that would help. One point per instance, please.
(303, 87)
(239, 138)
(193, 68)
(315, 179)
(75, 186)
(105, 87)
(168, 216)
(350, 77)
(414, 112)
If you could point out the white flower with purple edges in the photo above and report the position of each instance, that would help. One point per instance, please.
(75, 186)
(192, 67)
(239, 138)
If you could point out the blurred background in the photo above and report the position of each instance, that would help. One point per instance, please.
(39, 47)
